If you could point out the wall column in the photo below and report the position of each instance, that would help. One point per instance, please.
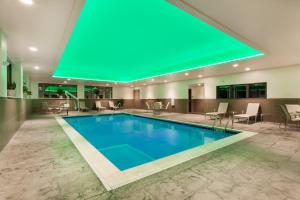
(3, 67)
(34, 88)
(80, 90)
(17, 77)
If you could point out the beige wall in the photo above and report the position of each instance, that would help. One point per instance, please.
(282, 83)
(122, 93)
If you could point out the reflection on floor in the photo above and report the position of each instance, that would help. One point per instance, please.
(40, 162)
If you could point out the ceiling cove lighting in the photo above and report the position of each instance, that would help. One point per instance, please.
(27, 2)
(126, 41)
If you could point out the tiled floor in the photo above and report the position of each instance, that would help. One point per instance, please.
(40, 162)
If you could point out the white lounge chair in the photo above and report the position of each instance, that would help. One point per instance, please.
(112, 105)
(222, 110)
(157, 106)
(166, 106)
(252, 111)
(288, 115)
(64, 107)
(149, 108)
(82, 106)
(99, 106)
(291, 113)
(293, 109)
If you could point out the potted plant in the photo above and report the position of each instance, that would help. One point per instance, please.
(120, 103)
(26, 91)
(97, 92)
(11, 89)
(60, 92)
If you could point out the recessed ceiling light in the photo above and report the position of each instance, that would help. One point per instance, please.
(27, 2)
(186, 74)
(65, 82)
(68, 79)
(247, 69)
(165, 81)
(107, 84)
(200, 76)
(152, 79)
(144, 84)
(235, 65)
(199, 84)
(33, 49)
(36, 67)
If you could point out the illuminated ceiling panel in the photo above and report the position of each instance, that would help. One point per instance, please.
(124, 41)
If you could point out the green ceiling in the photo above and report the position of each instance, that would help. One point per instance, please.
(129, 40)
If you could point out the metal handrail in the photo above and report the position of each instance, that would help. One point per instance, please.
(214, 124)
(69, 95)
(229, 120)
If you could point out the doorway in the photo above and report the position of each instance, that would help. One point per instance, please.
(190, 101)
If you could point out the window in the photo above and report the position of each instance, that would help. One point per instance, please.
(239, 91)
(258, 90)
(55, 90)
(254, 90)
(224, 92)
(97, 92)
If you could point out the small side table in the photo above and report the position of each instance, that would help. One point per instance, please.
(262, 115)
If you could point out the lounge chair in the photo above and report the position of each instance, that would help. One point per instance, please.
(47, 108)
(112, 105)
(222, 111)
(64, 107)
(99, 106)
(293, 109)
(289, 114)
(149, 108)
(252, 111)
(82, 106)
(157, 107)
(165, 107)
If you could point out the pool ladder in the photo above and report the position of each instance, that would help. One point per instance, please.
(214, 123)
(226, 125)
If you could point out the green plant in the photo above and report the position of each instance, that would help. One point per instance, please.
(120, 102)
(96, 91)
(26, 90)
(60, 91)
(11, 86)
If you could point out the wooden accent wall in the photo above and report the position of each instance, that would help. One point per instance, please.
(13, 112)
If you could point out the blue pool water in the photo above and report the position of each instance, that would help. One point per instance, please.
(129, 140)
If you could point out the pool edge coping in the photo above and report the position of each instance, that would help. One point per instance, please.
(113, 178)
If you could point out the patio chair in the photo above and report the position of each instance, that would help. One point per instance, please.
(82, 106)
(47, 108)
(252, 111)
(289, 114)
(157, 107)
(149, 107)
(64, 107)
(166, 106)
(112, 105)
(293, 109)
(222, 111)
(99, 107)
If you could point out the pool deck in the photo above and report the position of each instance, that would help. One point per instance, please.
(41, 162)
